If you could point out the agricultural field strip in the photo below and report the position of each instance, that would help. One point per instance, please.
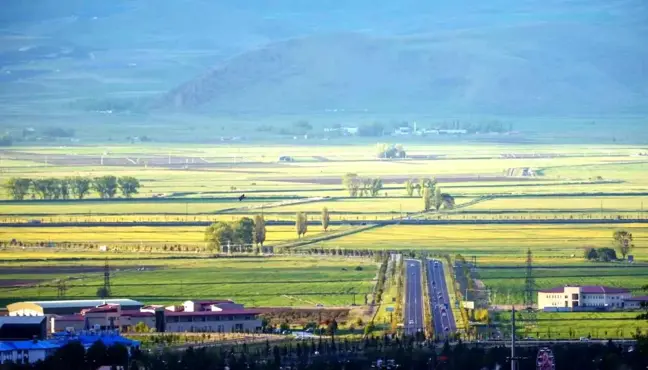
(295, 276)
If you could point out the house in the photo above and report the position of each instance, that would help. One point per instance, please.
(583, 297)
(23, 327)
(193, 315)
(636, 303)
(67, 307)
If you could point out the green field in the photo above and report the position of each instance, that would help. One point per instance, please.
(599, 325)
(276, 281)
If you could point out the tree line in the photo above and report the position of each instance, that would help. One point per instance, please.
(78, 187)
(381, 352)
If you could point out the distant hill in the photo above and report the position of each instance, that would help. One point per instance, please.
(543, 68)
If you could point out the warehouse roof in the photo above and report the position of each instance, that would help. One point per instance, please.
(242, 311)
(4, 320)
(86, 303)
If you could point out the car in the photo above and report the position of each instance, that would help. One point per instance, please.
(584, 339)
(445, 328)
(411, 322)
(412, 265)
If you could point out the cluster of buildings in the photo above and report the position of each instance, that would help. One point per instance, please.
(588, 298)
(34, 330)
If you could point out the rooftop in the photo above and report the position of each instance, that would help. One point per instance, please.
(587, 289)
(242, 311)
(12, 345)
(21, 320)
(638, 299)
(85, 303)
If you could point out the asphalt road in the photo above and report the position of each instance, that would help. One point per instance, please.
(440, 305)
(413, 298)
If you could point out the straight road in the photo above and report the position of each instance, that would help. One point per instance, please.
(413, 311)
(440, 305)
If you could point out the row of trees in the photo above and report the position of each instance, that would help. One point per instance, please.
(71, 187)
(362, 186)
(240, 235)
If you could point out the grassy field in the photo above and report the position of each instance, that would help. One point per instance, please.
(496, 243)
(600, 325)
(277, 281)
(507, 285)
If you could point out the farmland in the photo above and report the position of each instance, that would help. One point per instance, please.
(274, 281)
(582, 324)
(199, 183)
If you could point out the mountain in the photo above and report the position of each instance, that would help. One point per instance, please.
(541, 68)
(63, 60)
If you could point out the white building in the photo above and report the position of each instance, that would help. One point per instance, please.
(583, 296)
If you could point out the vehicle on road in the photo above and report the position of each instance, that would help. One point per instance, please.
(411, 322)
(584, 339)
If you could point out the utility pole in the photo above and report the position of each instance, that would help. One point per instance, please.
(513, 359)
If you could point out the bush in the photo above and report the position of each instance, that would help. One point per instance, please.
(358, 268)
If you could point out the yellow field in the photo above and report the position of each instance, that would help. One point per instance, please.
(593, 204)
(134, 235)
(550, 241)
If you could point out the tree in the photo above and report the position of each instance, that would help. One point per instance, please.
(80, 186)
(128, 185)
(376, 186)
(409, 187)
(64, 188)
(97, 355)
(351, 183)
(44, 188)
(117, 355)
(17, 187)
(218, 234)
(106, 186)
(448, 201)
(141, 327)
(331, 328)
(259, 230)
(438, 198)
(427, 199)
(325, 218)
(623, 241)
(243, 231)
(301, 224)
(102, 292)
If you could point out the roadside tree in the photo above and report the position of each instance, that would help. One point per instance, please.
(325, 218)
(427, 201)
(259, 230)
(17, 187)
(106, 186)
(438, 199)
(128, 185)
(243, 231)
(623, 241)
(217, 236)
(79, 186)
